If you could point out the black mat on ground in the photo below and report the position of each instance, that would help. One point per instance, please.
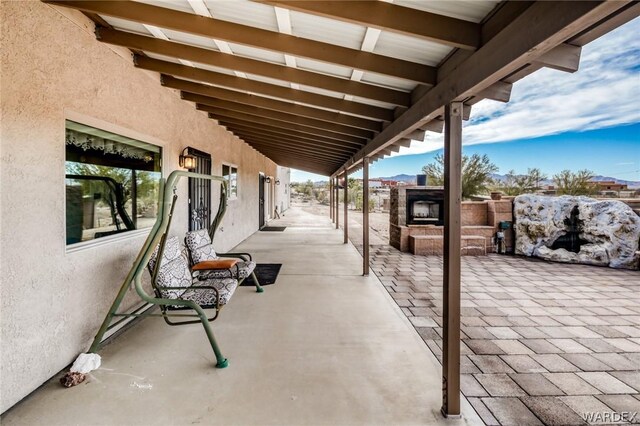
(274, 228)
(267, 273)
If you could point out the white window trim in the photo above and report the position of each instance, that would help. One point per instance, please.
(230, 196)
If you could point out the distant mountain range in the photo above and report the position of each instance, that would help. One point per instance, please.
(411, 179)
(632, 184)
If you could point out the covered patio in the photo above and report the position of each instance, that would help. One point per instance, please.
(324, 345)
(326, 87)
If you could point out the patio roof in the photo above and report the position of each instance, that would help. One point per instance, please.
(318, 85)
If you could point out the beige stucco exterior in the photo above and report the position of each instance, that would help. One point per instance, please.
(53, 69)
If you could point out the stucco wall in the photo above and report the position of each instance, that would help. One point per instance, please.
(52, 68)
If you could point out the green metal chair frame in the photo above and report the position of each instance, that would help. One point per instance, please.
(166, 204)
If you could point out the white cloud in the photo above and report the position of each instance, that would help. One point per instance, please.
(603, 93)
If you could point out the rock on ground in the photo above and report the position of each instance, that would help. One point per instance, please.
(610, 230)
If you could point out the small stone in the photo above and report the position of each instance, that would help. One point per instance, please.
(72, 379)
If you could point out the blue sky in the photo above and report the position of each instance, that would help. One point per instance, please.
(555, 120)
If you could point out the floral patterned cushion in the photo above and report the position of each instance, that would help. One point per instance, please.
(199, 245)
(172, 251)
(175, 272)
(207, 297)
(174, 269)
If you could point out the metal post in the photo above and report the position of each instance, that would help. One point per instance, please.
(331, 199)
(365, 216)
(346, 205)
(337, 195)
(452, 230)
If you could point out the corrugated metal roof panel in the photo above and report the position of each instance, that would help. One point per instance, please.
(386, 81)
(245, 12)
(181, 5)
(324, 67)
(123, 24)
(273, 81)
(372, 102)
(190, 39)
(322, 91)
(469, 10)
(259, 54)
(411, 48)
(327, 30)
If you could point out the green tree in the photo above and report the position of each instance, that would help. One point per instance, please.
(521, 184)
(476, 173)
(578, 183)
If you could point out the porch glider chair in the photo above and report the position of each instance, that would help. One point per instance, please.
(174, 280)
(176, 288)
(201, 252)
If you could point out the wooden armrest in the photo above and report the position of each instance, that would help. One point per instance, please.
(215, 264)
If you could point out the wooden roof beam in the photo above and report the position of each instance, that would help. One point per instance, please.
(404, 142)
(250, 36)
(217, 112)
(277, 115)
(500, 91)
(389, 17)
(217, 93)
(278, 131)
(297, 154)
(252, 66)
(436, 125)
(316, 151)
(311, 144)
(338, 146)
(253, 86)
(564, 57)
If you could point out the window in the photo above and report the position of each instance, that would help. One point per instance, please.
(230, 173)
(112, 183)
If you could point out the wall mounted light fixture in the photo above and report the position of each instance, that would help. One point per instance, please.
(187, 161)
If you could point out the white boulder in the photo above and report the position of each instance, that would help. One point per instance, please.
(609, 230)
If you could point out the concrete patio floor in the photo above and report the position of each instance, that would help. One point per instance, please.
(543, 343)
(324, 345)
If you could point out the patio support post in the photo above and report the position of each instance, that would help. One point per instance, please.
(451, 290)
(345, 226)
(365, 216)
(331, 199)
(337, 197)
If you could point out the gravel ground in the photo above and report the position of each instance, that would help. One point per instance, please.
(378, 222)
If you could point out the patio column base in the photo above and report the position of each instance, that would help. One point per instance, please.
(450, 416)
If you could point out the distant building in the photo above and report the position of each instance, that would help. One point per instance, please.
(384, 183)
(609, 185)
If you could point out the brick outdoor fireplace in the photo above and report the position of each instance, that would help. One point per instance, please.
(417, 221)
